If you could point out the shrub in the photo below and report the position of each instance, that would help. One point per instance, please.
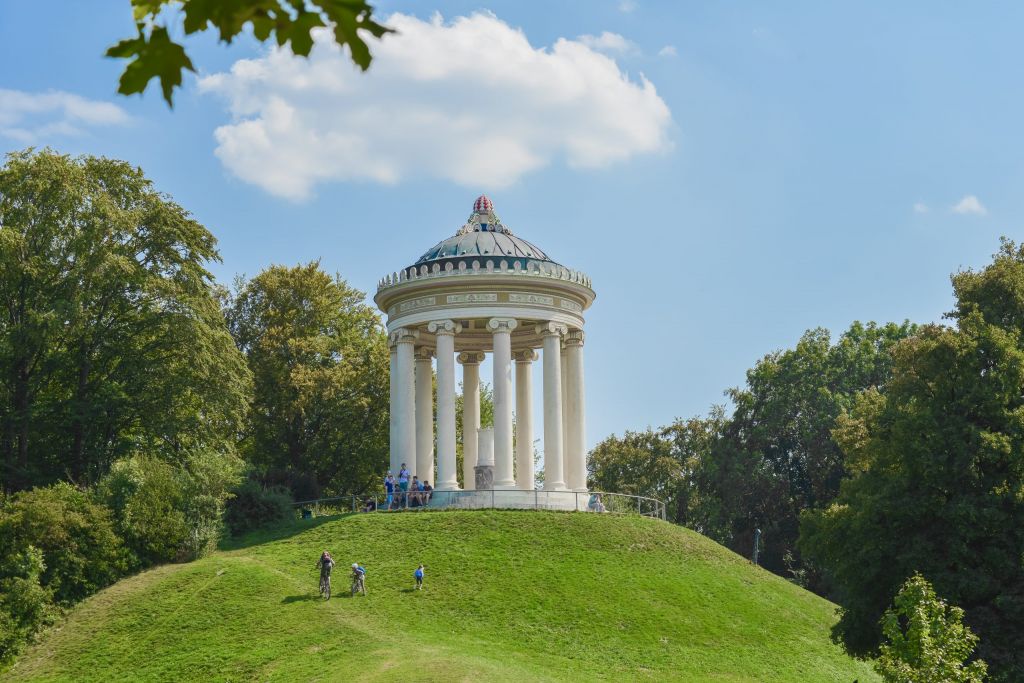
(147, 497)
(81, 551)
(927, 641)
(25, 605)
(254, 506)
(168, 513)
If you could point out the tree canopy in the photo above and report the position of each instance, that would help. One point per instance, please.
(320, 362)
(112, 342)
(938, 465)
(153, 54)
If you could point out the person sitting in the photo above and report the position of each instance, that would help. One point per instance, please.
(369, 505)
(428, 491)
(414, 496)
(595, 504)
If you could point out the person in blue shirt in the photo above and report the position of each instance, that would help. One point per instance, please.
(358, 579)
(389, 485)
(418, 574)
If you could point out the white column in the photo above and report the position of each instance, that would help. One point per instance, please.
(405, 427)
(423, 467)
(445, 331)
(470, 361)
(501, 329)
(524, 419)
(575, 419)
(393, 407)
(553, 473)
(565, 411)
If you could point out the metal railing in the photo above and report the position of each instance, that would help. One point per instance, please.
(498, 499)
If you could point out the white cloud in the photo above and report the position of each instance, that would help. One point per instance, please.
(469, 101)
(608, 42)
(32, 117)
(627, 6)
(970, 205)
(668, 51)
(920, 207)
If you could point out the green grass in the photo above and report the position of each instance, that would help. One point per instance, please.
(510, 596)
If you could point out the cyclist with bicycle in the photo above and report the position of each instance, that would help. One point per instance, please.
(358, 579)
(325, 564)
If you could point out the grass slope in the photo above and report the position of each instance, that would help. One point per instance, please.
(510, 596)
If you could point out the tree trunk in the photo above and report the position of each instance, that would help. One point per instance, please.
(78, 419)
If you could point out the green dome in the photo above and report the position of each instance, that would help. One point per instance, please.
(483, 237)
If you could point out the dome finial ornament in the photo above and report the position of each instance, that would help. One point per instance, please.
(483, 205)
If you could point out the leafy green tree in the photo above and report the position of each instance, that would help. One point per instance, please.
(153, 54)
(81, 550)
(111, 341)
(926, 640)
(25, 605)
(319, 357)
(938, 485)
(776, 456)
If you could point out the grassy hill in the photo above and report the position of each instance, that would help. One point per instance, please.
(510, 596)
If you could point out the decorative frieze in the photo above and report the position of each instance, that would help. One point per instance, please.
(474, 298)
(531, 299)
(414, 304)
(571, 306)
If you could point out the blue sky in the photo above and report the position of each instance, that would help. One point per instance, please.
(801, 165)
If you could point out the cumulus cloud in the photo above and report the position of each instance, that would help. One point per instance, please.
(970, 205)
(471, 101)
(608, 42)
(667, 51)
(32, 117)
(920, 207)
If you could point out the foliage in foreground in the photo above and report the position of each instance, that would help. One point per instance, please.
(926, 640)
(938, 475)
(153, 54)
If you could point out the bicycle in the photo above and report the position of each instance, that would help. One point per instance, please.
(325, 586)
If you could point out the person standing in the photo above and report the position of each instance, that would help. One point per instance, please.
(403, 481)
(418, 574)
(389, 486)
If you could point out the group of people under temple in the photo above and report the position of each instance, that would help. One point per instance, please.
(406, 490)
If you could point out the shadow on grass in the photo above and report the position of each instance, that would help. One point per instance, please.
(308, 597)
(277, 532)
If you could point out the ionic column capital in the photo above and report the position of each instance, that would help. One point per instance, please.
(470, 357)
(403, 335)
(502, 324)
(525, 356)
(574, 338)
(449, 327)
(548, 329)
(423, 353)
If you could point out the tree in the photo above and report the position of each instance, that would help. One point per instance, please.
(319, 358)
(486, 419)
(776, 456)
(938, 475)
(153, 54)
(927, 641)
(111, 340)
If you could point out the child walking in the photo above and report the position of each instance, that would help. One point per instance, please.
(419, 577)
